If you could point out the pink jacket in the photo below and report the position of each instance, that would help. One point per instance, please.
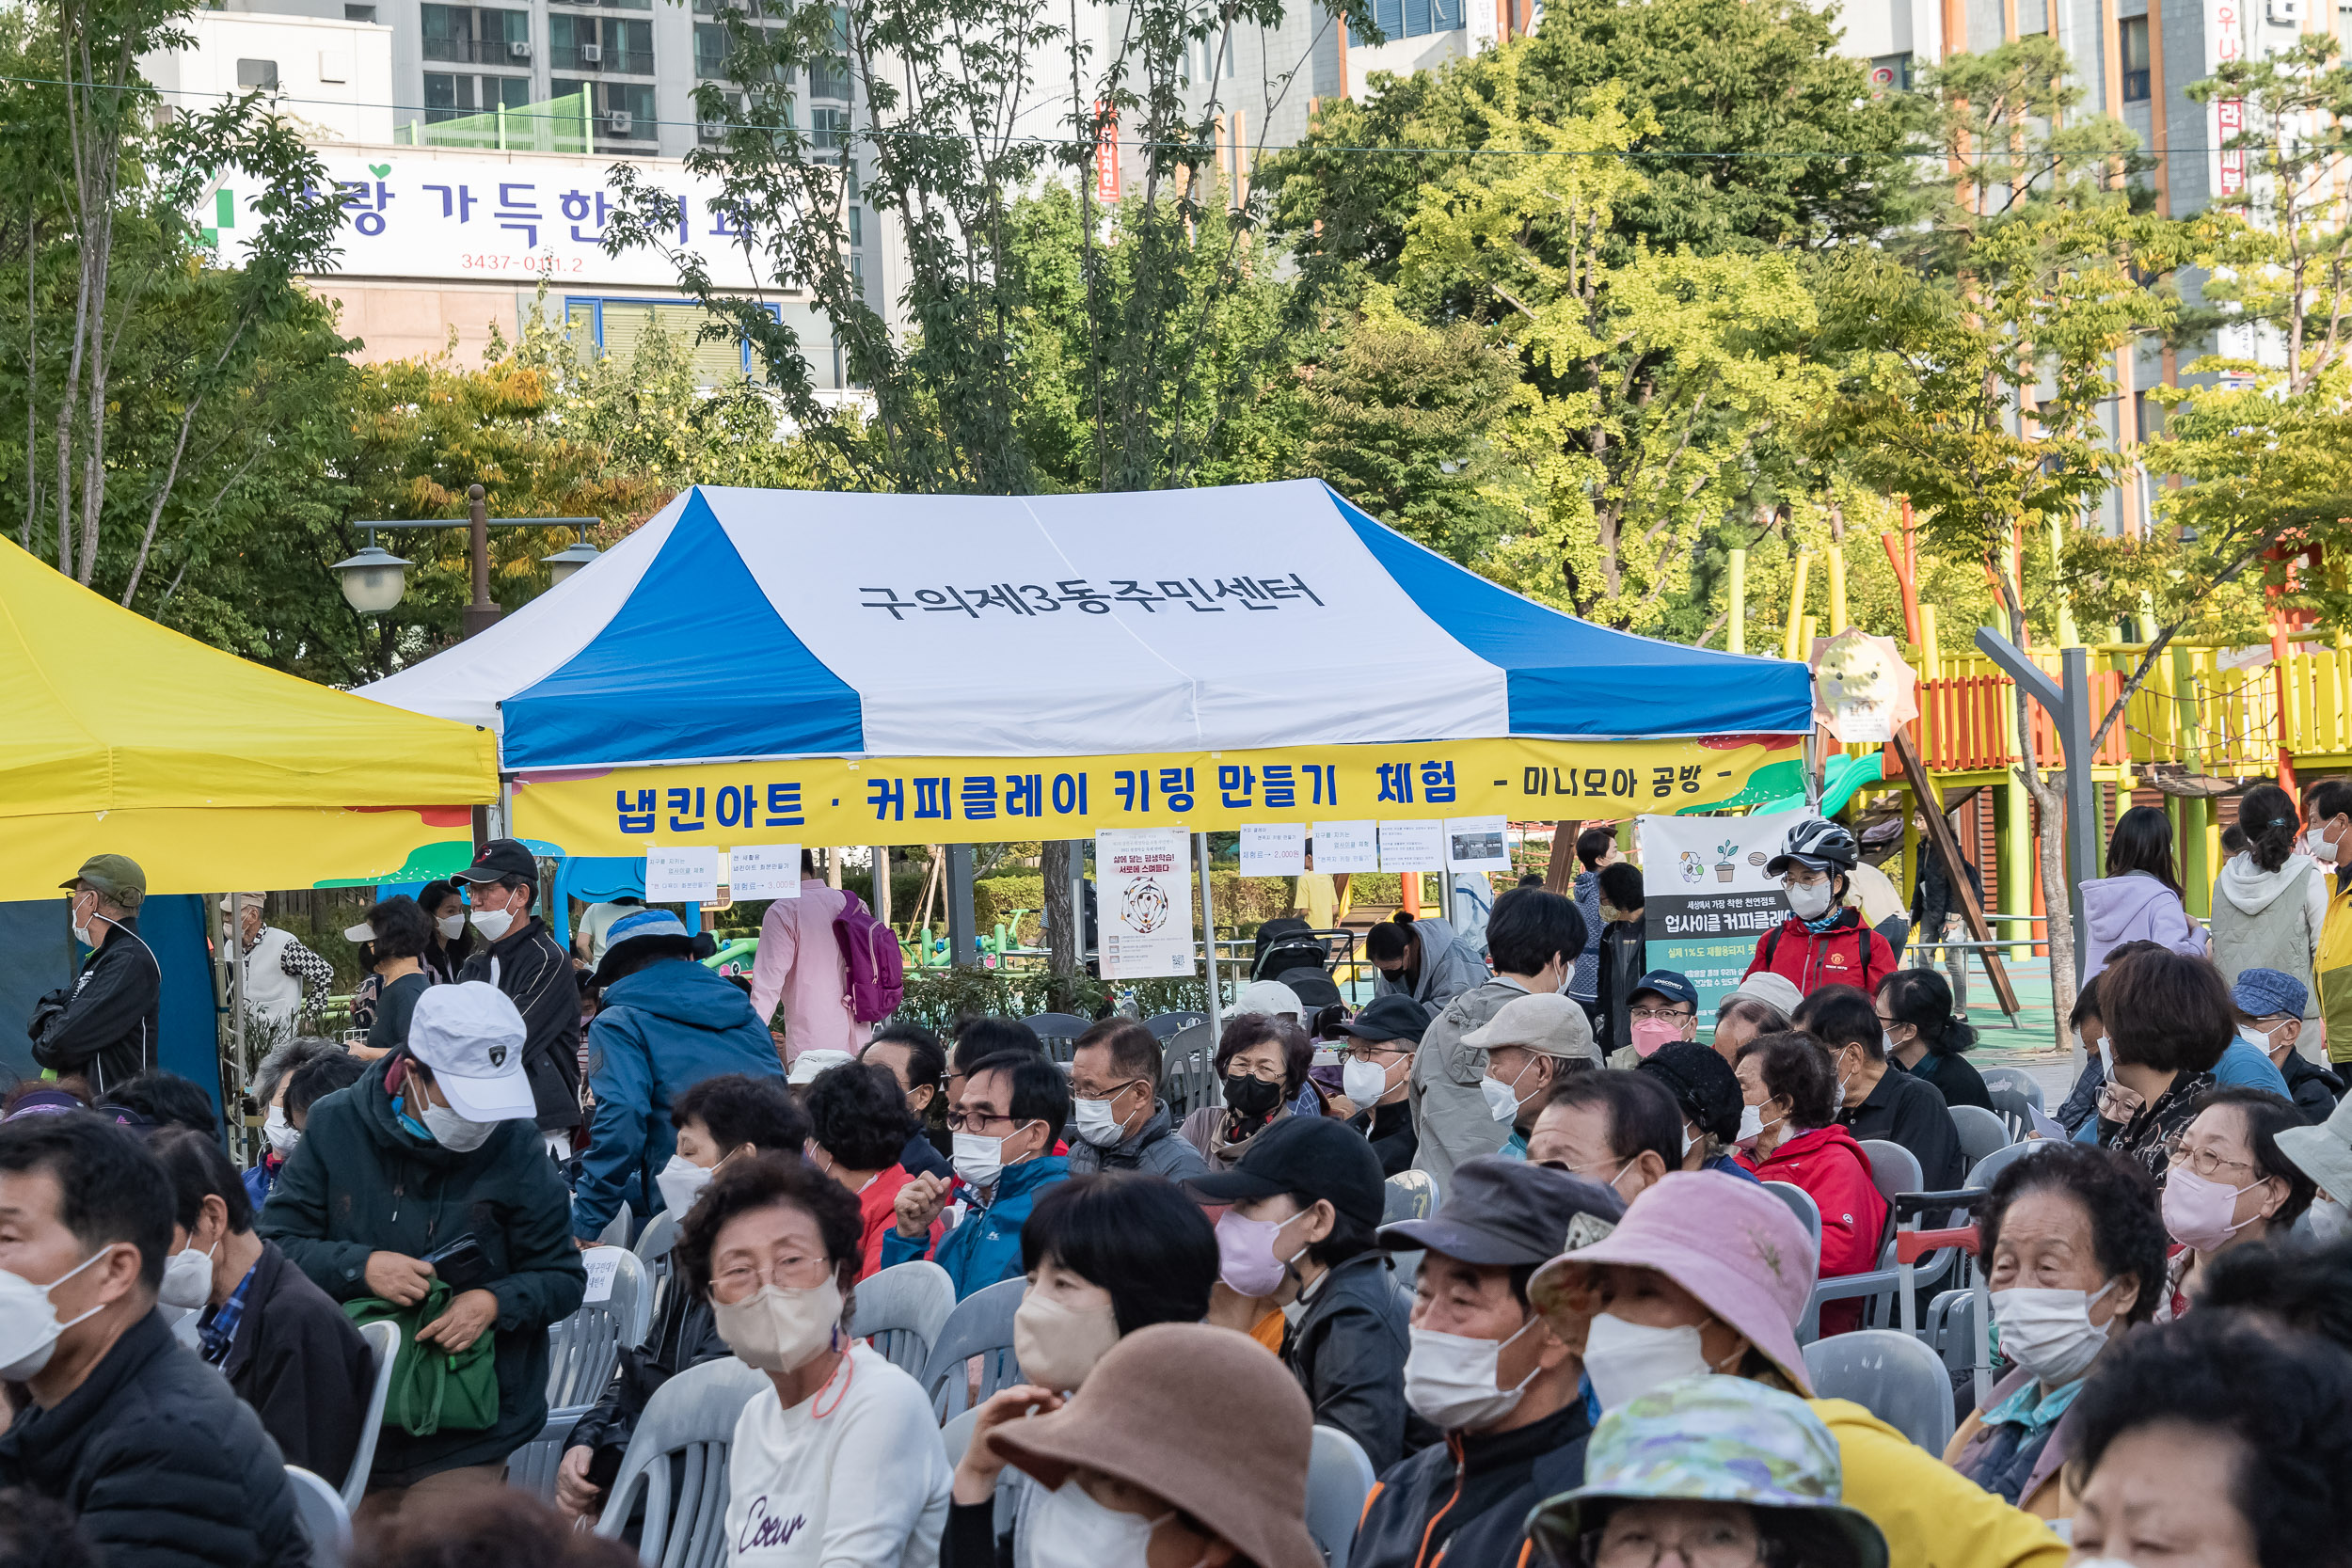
(799, 965)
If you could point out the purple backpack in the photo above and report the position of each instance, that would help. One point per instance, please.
(878, 975)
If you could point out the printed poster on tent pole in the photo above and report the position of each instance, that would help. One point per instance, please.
(1707, 899)
(1143, 878)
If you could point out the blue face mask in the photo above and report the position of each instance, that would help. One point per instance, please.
(409, 1124)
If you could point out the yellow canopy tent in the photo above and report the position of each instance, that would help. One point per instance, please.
(117, 733)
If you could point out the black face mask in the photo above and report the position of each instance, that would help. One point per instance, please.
(1252, 1098)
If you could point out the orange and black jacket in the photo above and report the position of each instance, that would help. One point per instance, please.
(1467, 1499)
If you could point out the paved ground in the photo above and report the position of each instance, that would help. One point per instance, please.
(2031, 1042)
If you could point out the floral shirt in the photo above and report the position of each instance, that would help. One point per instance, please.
(2148, 1136)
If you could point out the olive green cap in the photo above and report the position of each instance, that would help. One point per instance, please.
(118, 876)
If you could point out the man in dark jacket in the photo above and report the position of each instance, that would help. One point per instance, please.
(666, 1024)
(165, 1467)
(285, 1348)
(1623, 954)
(1376, 1077)
(103, 1027)
(1518, 1439)
(1319, 1181)
(522, 956)
(433, 1146)
(1119, 1120)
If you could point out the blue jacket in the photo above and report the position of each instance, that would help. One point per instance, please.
(664, 1029)
(2249, 1066)
(986, 1247)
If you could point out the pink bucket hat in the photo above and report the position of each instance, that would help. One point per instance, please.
(1729, 1242)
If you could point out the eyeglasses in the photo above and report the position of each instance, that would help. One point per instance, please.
(1713, 1545)
(978, 1121)
(1366, 1050)
(1660, 1015)
(792, 1272)
(2205, 1162)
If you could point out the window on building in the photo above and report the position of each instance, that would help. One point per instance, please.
(448, 97)
(619, 327)
(360, 14)
(258, 74)
(829, 129)
(1412, 19)
(475, 36)
(2131, 43)
(600, 44)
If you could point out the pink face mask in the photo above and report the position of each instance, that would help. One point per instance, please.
(1245, 1255)
(1651, 1033)
(2198, 1211)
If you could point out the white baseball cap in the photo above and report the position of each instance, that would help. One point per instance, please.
(471, 1037)
(808, 1064)
(1270, 997)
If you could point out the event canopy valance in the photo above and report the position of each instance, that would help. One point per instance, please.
(210, 771)
(1073, 646)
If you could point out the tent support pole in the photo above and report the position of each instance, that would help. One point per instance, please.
(882, 883)
(960, 948)
(1208, 933)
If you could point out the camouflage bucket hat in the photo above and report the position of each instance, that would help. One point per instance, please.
(1722, 1440)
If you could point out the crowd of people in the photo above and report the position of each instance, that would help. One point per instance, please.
(1581, 1346)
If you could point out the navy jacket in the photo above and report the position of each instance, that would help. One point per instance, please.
(664, 1029)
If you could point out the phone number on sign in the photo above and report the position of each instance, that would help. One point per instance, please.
(488, 261)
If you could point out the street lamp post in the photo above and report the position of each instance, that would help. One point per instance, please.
(374, 580)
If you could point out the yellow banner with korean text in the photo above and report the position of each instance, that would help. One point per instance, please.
(837, 801)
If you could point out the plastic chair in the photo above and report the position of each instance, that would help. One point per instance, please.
(325, 1519)
(1801, 1205)
(582, 1350)
(1059, 1032)
(902, 1311)
(1410, 1195)
(980, 1325)
(1980, 1175)
(1982, 1133)
(1893, 1169)
(653, 1250)
(1188, 1071)
(1338, 1479)
(681, 1441)
(1166, 1026)
(2015, 1111)
(1891, 1375)
(383, 1339)
(2016, 1079)
(956, 1436)
(615, 1232)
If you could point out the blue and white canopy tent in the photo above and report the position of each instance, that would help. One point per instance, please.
(757, 665)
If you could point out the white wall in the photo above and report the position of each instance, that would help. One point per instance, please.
(335, 78)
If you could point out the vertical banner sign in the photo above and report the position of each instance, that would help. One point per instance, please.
(2225, 41)
(1144, 880)
(1709, 899)
(1105, 154)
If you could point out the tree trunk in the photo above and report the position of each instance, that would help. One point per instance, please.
(1063, 920)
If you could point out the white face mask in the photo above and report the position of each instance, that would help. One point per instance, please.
(680, 1182)
(1363, 1082)
(1751, 1125)
(282, 1134)
(493, 924)
(1072, 1531)
(1626, 1360)
(2106, 1059)
(2319, 847)
(2049, 1331)
(980, 1160)
(85, 930)
(1502, 1100)
(452, 1132)
(187, 1279)
(1808, 900)
(28, 1320)
(1450, 1380)
(1058, 1344)
(451, 926)
(2330, 1221)
(776, 1329)
(1097, 1122)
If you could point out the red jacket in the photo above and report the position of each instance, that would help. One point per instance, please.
(1835, 1174)
(878, 1207)
(1848, 954)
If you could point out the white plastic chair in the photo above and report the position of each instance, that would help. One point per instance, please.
(1980, 1175)
(325, 1519)
(1891, 1375)
(1188, 1071)
(653, 1249)
(1893, 1169)
(1058, 1033)
(956, 1436)
(902, 1309)
(2015, 1078)
(615, 1232)
(383, 1338)
(582, 1350)
(1338, 1479)
(980, 1325)
(1980, 1132)
(1801, 1205)
(1166, 1026)
(684, 1434)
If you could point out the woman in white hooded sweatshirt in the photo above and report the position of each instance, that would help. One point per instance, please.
(2269, 901)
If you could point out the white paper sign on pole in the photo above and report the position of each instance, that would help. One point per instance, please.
(1143, 876)
(681, 874)
(1478, 843)
(1413, 845)
(1346, 846)
(764, 871)
(1273, 849)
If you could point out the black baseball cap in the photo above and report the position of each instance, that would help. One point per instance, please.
(1390, 1018)
(1319, 1156)
(1672, 986)
(501, 857)
(1503, 1212)
(1701, 1082)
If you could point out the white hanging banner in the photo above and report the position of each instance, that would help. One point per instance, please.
(1346, 846)
(1478, 843)
(1413, 845)
(1143, 878)
(1273, 849)
(764, 871)
(681, 874)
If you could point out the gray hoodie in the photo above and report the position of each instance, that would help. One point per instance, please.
(1448, 966)
(2269, 919)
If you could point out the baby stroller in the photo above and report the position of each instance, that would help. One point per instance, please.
(1284, 944)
